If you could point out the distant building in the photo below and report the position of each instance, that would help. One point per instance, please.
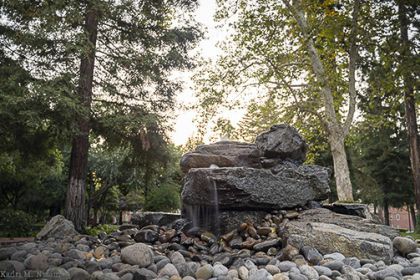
(399, 218)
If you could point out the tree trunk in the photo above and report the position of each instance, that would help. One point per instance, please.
(386, 212)
(75, 198)
(341, 168)
(336, 130)
(410, 104)
(413, 216)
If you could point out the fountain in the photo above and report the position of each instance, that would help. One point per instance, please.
(228, 182)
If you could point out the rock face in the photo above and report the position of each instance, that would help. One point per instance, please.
(355, 209)
(222, 154)
(248, 179)
(242, 188)
(282, 141)
(330, 232)
(57, 227)
(321, 215)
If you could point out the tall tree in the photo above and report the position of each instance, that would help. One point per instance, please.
(408, 69)
(304, 51)
(99, 61)
(75, 198)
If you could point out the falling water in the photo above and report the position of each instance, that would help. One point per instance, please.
(206, 216)
(216, 214)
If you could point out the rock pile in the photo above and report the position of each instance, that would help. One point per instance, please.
(250, 252)
(230, 179)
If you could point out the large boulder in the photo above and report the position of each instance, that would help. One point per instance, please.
(57, 227)
(330, 238)
(352, 236)
(322, 215)
(143, 219)
(222, 154)
(282, 141)
(243, 188)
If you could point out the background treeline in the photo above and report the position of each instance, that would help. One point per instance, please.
(86, 92)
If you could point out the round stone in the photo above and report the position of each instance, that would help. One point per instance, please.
(260, 274)
(243, 273)
(77, 273)
(58, 273)
(168, 270)
(205, 272)
(37, 262)
(309, 271)
(137, 254)
(404, 245)
(219, 270)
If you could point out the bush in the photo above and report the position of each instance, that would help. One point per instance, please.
(164, 198)
(94, 231)
(15, 223)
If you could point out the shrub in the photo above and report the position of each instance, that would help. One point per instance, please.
(164, 198)
(94, 231)
(15, 223)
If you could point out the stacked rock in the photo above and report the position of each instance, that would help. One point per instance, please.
(230, 181)
(250, 252)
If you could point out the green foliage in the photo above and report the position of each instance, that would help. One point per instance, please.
(107, 228)
(15, 223)
(164, 198)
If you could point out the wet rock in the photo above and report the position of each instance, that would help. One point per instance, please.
(239, 188)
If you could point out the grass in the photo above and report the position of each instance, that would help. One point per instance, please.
(414, 235)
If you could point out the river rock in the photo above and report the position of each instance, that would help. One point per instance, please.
(282, 141)
(404, 245)
(57, 227)
(329, 238)
(240, 188)
(137, 254)
(222, 154)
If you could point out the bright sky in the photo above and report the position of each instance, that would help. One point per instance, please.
(184, 126)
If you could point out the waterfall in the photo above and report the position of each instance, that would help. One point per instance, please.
(206, 216)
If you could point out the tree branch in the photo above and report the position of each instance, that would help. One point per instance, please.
(353, 57)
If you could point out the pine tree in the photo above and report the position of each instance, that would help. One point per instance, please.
(106, 64)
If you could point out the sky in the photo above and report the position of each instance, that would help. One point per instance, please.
(184, 126)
